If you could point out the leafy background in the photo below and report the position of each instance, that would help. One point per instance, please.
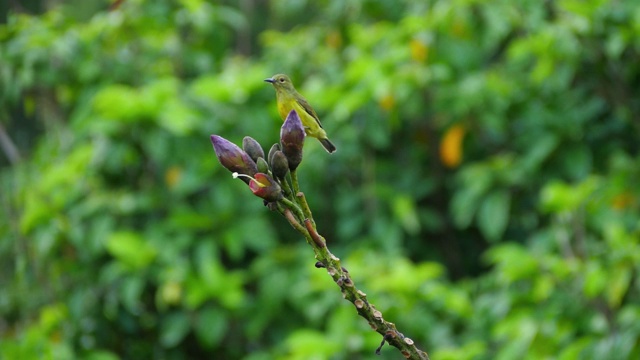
(485, 192)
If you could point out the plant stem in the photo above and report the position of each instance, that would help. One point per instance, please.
(294, 207)
(348, 288)
(302, 200)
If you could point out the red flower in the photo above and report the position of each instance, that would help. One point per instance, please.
(266, 187)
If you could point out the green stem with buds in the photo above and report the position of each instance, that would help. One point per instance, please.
(301, 199)
(293, 207)
(341, 276)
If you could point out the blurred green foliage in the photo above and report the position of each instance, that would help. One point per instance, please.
(485, 192)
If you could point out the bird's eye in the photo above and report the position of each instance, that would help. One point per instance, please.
(281, 79)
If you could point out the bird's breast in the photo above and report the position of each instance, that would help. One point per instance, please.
(284, 106)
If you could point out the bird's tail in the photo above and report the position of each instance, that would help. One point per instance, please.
(328, 145)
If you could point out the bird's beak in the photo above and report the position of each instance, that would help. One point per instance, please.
(270, 80)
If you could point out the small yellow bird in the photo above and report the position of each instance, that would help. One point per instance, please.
(289, 99)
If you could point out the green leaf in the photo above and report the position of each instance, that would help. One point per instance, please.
(577, 161)
(513, 262)
(493, 215)
(131, 292)
(558, 196)
(52, 315)
(463, 207)
(595, 279)
(35, 212)
(404, 208)
(544, 146)
(576, 349)
(476, 181)
(119, 103)
(211, 325)
(174, 328)
(469, 351)
(131, 249)
(619, 282)
(101, 355)
(307, 344)
(178, 118)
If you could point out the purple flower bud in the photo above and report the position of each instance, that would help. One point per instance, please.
(232, 157)
(272, 151)
(266, 187)
(292, 139)
(253, 148)
(279, 165)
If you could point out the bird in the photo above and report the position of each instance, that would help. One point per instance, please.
(289, 99)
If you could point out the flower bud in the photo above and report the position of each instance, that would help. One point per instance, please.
(263, 167)
(292, 139)
(273, 149)
(266, 187)
(232, 157)
(279, 164)
(253, 148)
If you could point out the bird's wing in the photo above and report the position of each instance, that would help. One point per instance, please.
(305, 105)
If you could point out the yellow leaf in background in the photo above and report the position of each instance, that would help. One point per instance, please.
(459, 28)
(333, 40)
(387, 102)
(29, 105)
(172, 176)
(451, 146)
(419, 50)
(171, 292)
(623, 201)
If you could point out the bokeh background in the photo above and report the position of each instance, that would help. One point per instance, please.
(485, 193)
